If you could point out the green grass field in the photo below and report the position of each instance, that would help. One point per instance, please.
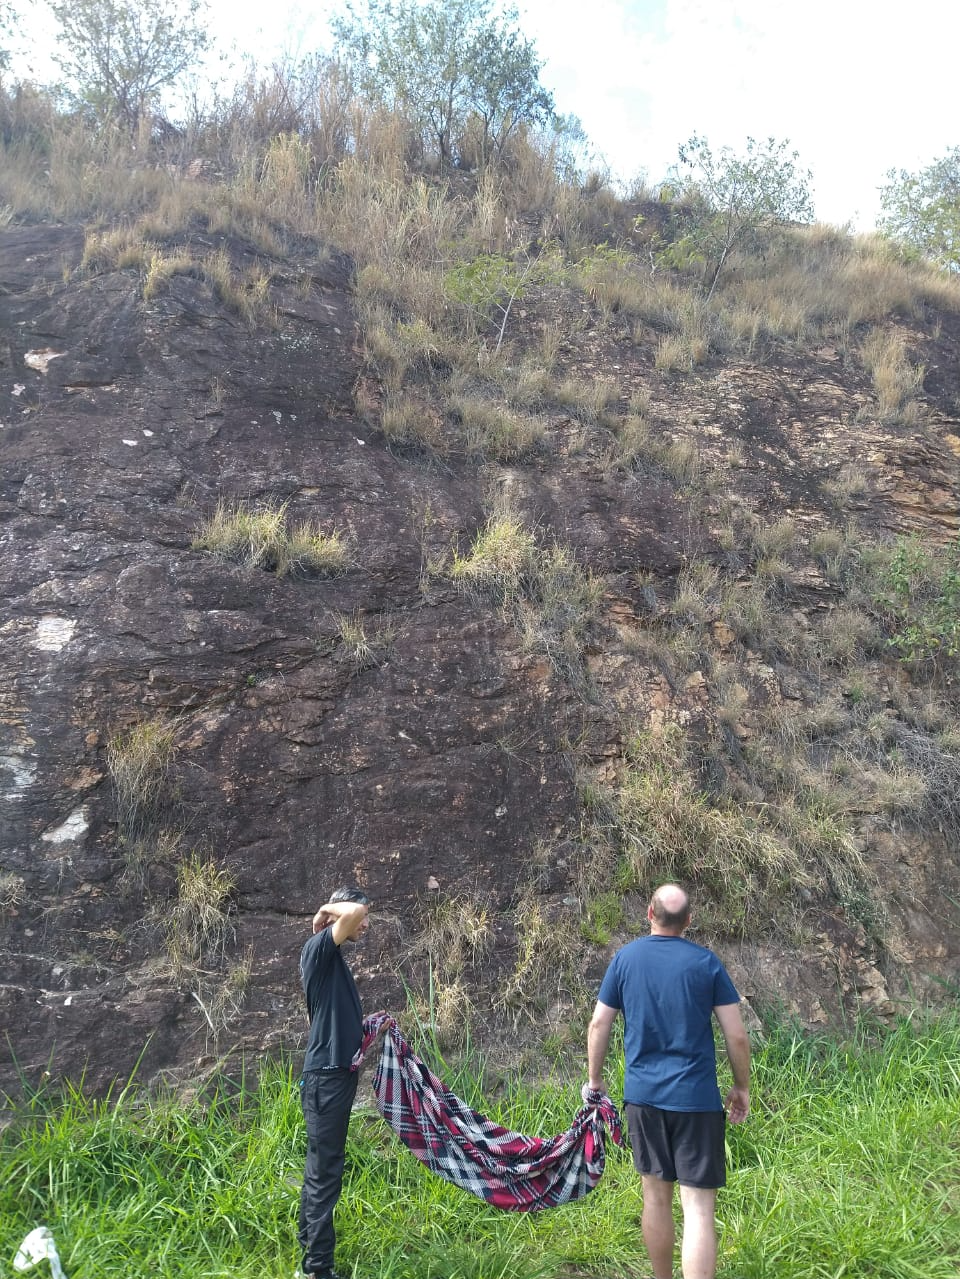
(849, 1166)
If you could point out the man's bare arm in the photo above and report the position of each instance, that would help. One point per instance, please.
(737, 1045)
(598, 1040)
(345, 917)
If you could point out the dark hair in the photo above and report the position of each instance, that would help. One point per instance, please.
(673, 919)
(349, 895)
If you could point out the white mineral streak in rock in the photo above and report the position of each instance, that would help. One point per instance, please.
(24, 774)
(53, 633)
(40, 360)
(131, 443)
(75, 827)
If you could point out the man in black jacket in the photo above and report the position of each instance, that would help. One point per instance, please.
(328, 1086)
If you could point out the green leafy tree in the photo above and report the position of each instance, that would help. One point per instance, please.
(8, 18)
(734, 198)
(119, 54)
(446, 65)
(922, 210)
(490, 284)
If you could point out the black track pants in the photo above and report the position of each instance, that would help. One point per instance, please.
(326, 1096)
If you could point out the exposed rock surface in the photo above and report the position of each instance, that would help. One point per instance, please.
(440, 766)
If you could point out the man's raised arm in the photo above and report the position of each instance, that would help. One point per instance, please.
(346, 919)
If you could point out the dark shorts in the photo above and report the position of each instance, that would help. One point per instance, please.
(679, 1145)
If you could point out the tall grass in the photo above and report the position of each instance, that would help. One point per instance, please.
(848, 1166)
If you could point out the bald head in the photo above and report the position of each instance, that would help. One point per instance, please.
(669, 910)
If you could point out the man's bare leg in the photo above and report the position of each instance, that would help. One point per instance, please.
(657, 1223)
(699, 1247)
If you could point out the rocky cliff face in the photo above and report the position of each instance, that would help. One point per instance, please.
(375, 725)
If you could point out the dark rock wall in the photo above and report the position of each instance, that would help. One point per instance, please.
(292, 767)
(438, 766)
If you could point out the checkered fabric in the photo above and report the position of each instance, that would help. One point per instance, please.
(508, 1170)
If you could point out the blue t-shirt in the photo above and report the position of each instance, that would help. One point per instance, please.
(667, 989)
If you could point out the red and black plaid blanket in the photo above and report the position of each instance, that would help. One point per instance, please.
(508, 1170)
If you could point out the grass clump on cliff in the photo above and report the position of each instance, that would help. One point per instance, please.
(551, 599)
(198, 921)
(262, 537)
(667, 827)
(12, 891)
(895, 380)
(501, 560)
(139, 760)
(198, 930)
(149, 1185)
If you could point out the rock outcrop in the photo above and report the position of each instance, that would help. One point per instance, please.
(433, 757)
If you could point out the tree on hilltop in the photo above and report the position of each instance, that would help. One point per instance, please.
(450, 66)
(734, 197)
(119, 54)
(8, 18)
(922, 210)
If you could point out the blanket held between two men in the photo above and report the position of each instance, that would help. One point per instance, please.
(507, 1169)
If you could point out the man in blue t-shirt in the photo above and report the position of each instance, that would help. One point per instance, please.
(667, 989)
(328, 1086)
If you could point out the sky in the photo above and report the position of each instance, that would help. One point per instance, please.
(858, 87)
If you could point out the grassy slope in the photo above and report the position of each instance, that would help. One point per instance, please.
(849, 1166)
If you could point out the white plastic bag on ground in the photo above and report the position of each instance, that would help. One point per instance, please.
(39, 1246)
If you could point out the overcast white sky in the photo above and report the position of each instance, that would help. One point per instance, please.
(858, 86)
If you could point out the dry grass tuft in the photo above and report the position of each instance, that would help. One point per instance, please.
(851, 483)
(116, 250)
(13, 891)
(669, 829)
(672, 354)
(161, 269)
(500, 561)
(548, 596)
(139, 760)
(221, 998)
(746, 608)
(547, 971)
(848, 635)
(494, 433)
(817, 283)
(895, 380)
(455, 933)
(246, 294)
(261, 537)
(197, 923)
(408, 421)
(360, 644)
